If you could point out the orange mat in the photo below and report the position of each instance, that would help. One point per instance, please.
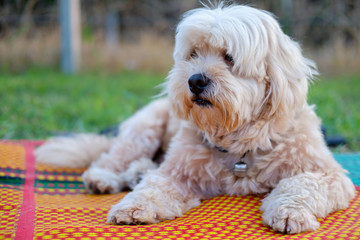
(41, 202)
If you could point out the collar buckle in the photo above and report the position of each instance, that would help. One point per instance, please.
(241, 167)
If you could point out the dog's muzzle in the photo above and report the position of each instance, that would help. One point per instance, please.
(197, 85)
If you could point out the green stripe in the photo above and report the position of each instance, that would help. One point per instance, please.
(17, 181)
(11, 170)
(58, 184)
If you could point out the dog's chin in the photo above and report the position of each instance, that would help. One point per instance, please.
(201, 102)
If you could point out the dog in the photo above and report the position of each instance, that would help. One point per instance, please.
(234, 119)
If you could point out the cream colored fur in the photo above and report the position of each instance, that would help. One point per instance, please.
(73, 151)
(256, 103)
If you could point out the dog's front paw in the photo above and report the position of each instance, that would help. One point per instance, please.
(136, 212)
(99, 181)
(147, 206)
(132, 214)
(290, 220)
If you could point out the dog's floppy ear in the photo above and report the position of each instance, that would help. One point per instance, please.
(288, 74)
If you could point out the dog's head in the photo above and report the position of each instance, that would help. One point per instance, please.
(234, 69)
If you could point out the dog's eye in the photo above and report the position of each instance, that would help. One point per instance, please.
(193, 54)
(229, 60)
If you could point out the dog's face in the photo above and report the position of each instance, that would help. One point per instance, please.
(235, 68)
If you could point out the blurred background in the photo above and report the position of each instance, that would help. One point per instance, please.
(124, 49)
(129, 34)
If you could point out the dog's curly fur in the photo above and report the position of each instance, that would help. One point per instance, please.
(238, 84)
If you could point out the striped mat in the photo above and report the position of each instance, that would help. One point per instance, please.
(41, 202)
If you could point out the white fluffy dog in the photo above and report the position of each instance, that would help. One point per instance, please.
(235, 121)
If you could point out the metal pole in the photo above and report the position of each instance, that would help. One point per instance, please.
(112, 30)
(69, 11)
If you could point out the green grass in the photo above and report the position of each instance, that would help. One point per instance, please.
(38, 103)
(337, 102)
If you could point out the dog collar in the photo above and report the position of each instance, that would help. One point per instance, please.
(240, 168)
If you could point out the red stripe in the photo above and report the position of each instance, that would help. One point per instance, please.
(25, 228)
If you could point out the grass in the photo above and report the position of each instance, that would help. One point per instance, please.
(38, 103)
(41, 49)
(337, 103)
(41, 102)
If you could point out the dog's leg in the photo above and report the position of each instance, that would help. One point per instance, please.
(188, 174)
(296, 202)
(154, 199)
(139, 138)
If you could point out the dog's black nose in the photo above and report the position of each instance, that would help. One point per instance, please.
(197, 83)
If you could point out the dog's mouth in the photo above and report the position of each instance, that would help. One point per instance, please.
(202, 102)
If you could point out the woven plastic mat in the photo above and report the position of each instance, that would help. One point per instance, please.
(41, 202)
(350, 162)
